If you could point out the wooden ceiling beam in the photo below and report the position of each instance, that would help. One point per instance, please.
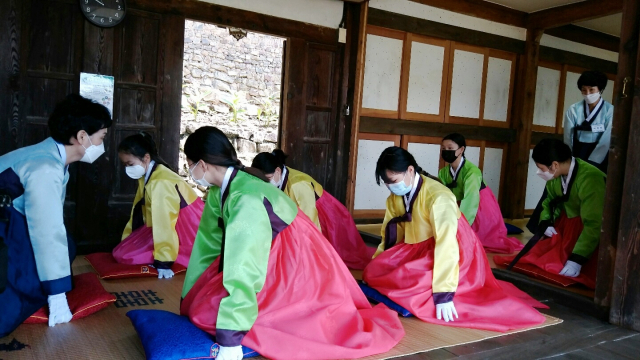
(481, 9)
(586, 36)
(567, 14)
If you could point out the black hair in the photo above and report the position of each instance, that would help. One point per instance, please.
(458, 139)
(141, 144)
(549, 150)
(397, 160)
(76, 113)
(593, 78)
(211, 145)
(269, 162)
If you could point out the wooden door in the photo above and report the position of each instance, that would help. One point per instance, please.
(144, 54)
(310, 119)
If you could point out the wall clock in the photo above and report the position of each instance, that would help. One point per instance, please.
(103, 13)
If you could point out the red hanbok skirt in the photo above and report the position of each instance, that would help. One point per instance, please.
(548, 257)
(404, 273)
(310, 306)
(137, 248)
(490, 228)
(340, 229)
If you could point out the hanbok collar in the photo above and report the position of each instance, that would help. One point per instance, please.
(567, 179)
(285, 178)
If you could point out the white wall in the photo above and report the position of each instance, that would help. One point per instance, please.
(319, 12)
(562, 44)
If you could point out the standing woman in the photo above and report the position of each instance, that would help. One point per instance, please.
(430, 259)
(34, 179)
(166, 211)
(477, 202)
(571, 216)
(263, 276)
(329, 215)
(587, 129)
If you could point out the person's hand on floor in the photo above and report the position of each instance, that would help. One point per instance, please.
(571, 269)
(550, 231)
(230, 353)
(58, 309)
(165, 273)
(446, 311)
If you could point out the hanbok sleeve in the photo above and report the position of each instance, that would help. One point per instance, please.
(208, 242)
(247, 245)
(165, 208)
(591, 194)
(304, 195)
(444, 221)
(568, 123)
(389, 214)
(43, 191)
(471, 198)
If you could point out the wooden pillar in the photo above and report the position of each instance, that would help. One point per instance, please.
(518, 159)
(357, 105)
(623, 186)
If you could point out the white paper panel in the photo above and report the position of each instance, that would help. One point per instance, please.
(382, 73)
(546, 105)
(466, 85)
(496, 101)
(368, 195)
(492, 169)
(571, 92)
(427, 156)
(472, 154)
(425, 78)
(608, 91)
(535, 186)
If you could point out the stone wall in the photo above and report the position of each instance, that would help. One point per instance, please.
(221, 74)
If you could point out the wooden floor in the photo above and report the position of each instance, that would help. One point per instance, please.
(580, 336)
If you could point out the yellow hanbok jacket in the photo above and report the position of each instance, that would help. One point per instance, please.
(304, 191)
(164, 194)
(435, 214)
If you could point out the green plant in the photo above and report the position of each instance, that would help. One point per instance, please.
(237, 103)
(194, 101)
(268, 110)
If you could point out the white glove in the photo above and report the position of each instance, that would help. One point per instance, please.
(550, 231)
(230, 353)
(571, 269)
(58, 309)
(165, 273)
(446, 311)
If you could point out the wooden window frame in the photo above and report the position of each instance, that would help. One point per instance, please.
(406, 69)
(392, 34)
(487, 53)
(371, 214)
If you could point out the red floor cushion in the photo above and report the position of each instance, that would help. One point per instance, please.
(87, 297)
(108, 268)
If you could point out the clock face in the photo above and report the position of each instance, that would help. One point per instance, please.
(104, 13)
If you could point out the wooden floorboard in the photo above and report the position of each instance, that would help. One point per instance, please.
(580, 336)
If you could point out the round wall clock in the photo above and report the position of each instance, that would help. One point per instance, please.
(103, 13)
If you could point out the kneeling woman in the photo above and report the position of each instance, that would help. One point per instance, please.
(329, 215)
(477, 202)
(430, 258)
(571, 217)
(263, 276)
(166, 211)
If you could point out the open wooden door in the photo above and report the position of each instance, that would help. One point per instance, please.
(144, 53)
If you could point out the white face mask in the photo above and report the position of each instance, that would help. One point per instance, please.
(276, 183)
(545, 175)
(136, 171)
(591, 98)
(201, 182)
(93, 152)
